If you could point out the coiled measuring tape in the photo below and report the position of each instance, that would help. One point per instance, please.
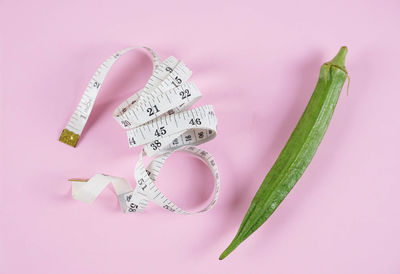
(156, 117)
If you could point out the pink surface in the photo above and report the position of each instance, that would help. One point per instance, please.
(257, 63)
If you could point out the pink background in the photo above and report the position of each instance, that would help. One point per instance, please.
(257, 62)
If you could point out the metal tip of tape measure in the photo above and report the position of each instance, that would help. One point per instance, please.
(69, 138)
(78, 180)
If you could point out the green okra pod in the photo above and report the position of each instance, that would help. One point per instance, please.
(298, 151)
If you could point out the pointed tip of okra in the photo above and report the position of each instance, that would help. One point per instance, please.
(225, 253)
(229, 249)
(339, 59)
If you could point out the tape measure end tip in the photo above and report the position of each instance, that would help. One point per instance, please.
(68, 137)
(78, 180)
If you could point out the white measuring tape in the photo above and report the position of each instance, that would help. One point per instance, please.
(155, 117)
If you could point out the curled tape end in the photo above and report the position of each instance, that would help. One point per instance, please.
(69, 138)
